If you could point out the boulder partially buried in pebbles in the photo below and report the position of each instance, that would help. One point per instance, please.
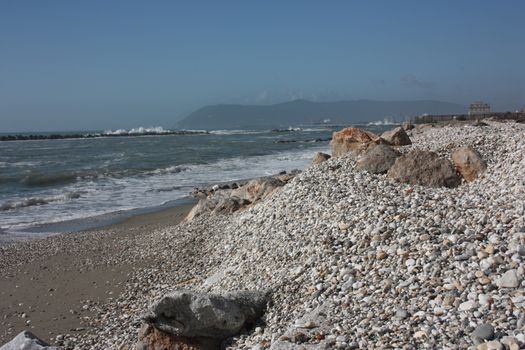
(27, 341)
(396, 137)
(258, 189)
(424, 168)
(209, 204)
(378, 160)
(227, 201)
(320, 157)
(195, 319)
(353, 141)
(469, 163)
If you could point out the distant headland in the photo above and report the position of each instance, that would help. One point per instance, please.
(298, 112)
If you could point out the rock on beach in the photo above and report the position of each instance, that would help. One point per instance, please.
(27, 341)
(378, 159)
(191, 320)
(424, 168)
(396, 137)
(469, 163)
(352, 142)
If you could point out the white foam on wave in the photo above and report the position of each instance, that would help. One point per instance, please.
(316, 129)
(137, 131)
(237, 132)
(385, 121)
(109, 194)
(34, 201)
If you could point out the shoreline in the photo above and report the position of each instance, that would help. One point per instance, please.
(89, 223)
(53, 285)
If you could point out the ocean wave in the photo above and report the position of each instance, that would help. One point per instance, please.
(168, 189)
(32, 201)
(137, 131)
(174, 169)
(317, 129)
(386, 121)
(237, 132)
(41, 180)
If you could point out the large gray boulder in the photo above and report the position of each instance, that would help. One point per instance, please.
(27, 341)
(424, 168)
(377, 160)
(469, 163)
(190, 314)
(396, 137)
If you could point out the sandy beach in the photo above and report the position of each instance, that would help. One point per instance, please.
(53, 286)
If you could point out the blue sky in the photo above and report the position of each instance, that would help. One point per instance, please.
(72, 65)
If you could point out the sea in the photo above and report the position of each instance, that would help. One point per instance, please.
(58, 185)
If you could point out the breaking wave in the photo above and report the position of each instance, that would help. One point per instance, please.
(386, 121)
(138, 131)
(38, 179)
(32, 201)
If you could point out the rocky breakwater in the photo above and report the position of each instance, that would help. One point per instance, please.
(229, 198)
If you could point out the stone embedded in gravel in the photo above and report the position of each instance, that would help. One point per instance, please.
(469, 163)
(490, 345)
(521, 250)
(189, 314)
(258, 189)
(467, 305)
(510, 343)
(396, 137)
(320, 157)
(27, 341)
(424, 168)
(508, 280)
(151, 338)
(484, 331)
(378, 159)
(401, 314)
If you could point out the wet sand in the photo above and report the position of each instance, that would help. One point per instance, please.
(54, 285)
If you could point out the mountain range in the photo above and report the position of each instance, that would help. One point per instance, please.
(300, 112)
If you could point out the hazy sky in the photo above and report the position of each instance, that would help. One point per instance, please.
(73, 65)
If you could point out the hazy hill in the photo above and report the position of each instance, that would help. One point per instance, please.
(306, 112)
